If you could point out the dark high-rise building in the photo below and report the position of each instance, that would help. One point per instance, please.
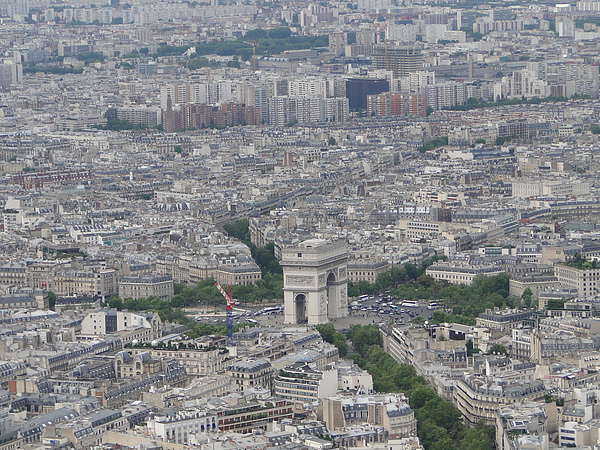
(357, 90)
(400, 60)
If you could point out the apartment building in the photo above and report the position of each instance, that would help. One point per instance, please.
(301, 383)
(37, 299)
(102, 282)
(478, 397)
(255, 415)
(144, 287)
(197, 362)
(535, 282)
(238, 274)
(523, 423)
(390, 411)
(251, 374)
(179, 428)
(502, 320)
(461, 274)
(586, 281)
(366, 270)
(109, 321)
(15, 274)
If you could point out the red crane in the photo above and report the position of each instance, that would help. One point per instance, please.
(228, 309)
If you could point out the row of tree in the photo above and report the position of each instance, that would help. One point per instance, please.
(581, 262)
(439, 424)
(395, 278)
(329, 334)
(465, 301)
(90, 57)
(434, 143)
(264, 256)
(120, 125)
(265, 42)
(474, 103)
(485, 292)
(167, 313)
(206, 292)
(57, 70)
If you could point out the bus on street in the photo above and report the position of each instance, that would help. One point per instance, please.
(410, 303)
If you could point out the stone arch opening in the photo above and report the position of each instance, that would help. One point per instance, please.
(332, 300)
(300, 305)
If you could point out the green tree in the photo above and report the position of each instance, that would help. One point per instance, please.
(115, 302)
(526, 297)
(280, 33)
(263, 257)
(501, 140)
(470, 347)
(439, 423)
(420, 396)
(235, 62)
(170, 50)
(327, 332)
(364, 287)
(444, 443)
(120, 125)
(475, 439)
(239, 229)
(363, 337)
(255, 35)
(340, 342)
(555, 303)
(51, 299)
(498, 348)
(331, 141)
(430, 433)
(353, 290)
(90, 57)
(178, 288)
(444, 414)
(418, 320)
(412, 271)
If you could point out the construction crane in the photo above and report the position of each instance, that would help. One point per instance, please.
(229, 310)
(253, 59)
(254, 45)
